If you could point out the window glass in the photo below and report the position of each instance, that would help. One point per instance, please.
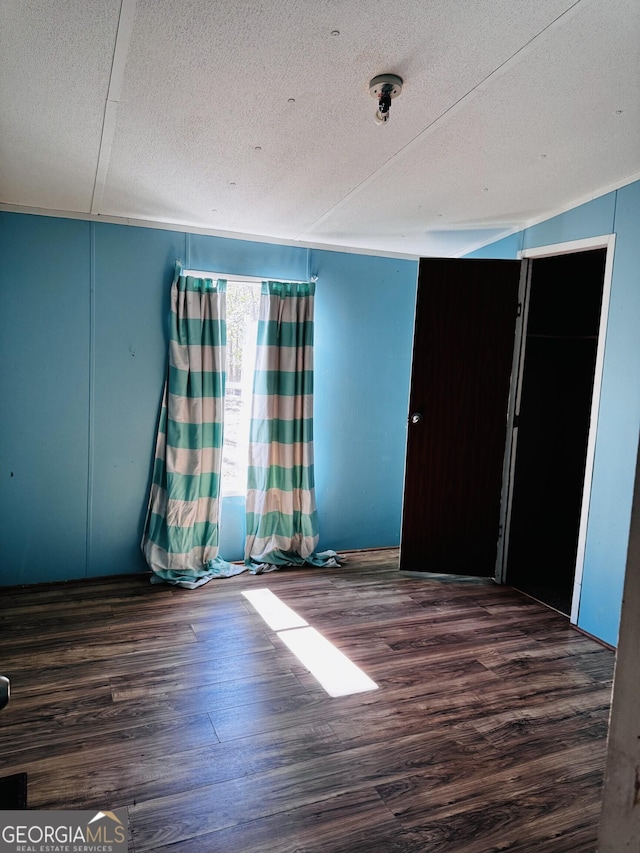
(243, 302)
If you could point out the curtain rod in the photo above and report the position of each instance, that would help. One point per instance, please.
(250, 278)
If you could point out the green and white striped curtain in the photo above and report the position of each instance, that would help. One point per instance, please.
(282, 521)
(180, 541)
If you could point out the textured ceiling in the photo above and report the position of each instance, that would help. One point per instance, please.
(254, 118)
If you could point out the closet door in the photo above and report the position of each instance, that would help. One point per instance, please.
(462, 358)
(554, 418)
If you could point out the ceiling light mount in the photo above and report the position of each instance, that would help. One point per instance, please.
(384, 87)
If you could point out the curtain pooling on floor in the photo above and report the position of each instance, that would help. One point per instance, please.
(282, 522)
(180, 541)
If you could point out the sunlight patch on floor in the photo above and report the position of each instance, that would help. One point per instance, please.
(336, 673)
(278, 615)
(333, 670)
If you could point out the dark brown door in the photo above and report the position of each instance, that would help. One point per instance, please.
(462, 356)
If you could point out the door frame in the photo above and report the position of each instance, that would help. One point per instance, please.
(606, 241)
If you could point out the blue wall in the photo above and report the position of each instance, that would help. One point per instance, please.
(619, 418)
(83, 340)
(44, 393)
(363, 342)
(83, 348)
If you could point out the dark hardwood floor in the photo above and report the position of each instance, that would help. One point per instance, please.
(487, 732)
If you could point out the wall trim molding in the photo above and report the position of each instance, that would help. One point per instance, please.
(207, 232)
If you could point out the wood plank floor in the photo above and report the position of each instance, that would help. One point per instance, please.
(487, 732)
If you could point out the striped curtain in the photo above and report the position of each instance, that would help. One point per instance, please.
(282, 522)
(180, 540)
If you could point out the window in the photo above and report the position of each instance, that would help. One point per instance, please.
(243, 303)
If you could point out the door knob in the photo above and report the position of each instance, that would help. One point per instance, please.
(416, 418)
